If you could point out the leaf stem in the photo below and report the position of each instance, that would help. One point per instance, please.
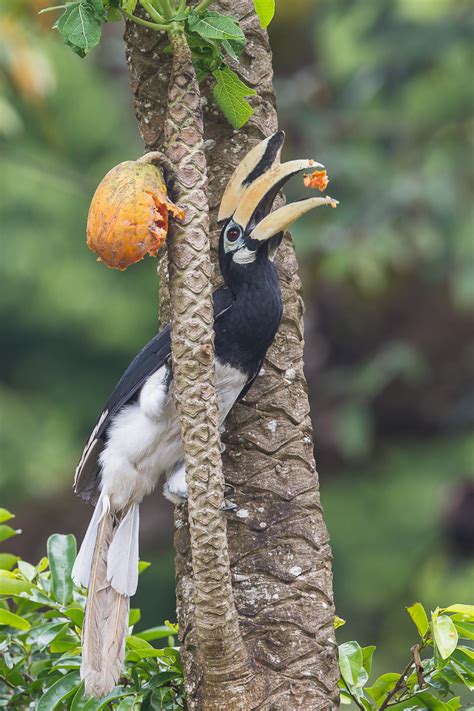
(54, 7)
(152, 11)
(203, 5)
(398, 686)
(354, 698)
(167, 10)
(144, 23)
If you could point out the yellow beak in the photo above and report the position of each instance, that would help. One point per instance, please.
(281, 219)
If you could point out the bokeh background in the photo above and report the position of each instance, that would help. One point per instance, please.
(382, 93)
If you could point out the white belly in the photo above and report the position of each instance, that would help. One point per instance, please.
(144, 440)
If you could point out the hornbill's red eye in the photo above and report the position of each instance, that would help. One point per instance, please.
(233, 234)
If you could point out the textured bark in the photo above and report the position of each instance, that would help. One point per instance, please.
(223, 655)
(279, 548)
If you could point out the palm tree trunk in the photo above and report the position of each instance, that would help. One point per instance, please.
(278, 542)
(225, 662)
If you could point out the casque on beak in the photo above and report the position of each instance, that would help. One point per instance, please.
(254, 186)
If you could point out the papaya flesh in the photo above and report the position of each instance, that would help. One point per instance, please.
(128, 214)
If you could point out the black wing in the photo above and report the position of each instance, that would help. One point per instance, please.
(150, 359)
(250, 382)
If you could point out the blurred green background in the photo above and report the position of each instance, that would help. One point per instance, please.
(381, 92)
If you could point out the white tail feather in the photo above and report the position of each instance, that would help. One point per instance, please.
(83, 564)
(106, 618)
(122, 560)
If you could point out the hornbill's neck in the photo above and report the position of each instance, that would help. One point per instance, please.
(247, 330)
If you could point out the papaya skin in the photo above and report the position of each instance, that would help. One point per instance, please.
(128, 214)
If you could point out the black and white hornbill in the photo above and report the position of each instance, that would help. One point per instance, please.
(136, 438)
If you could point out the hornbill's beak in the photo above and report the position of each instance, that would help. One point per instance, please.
(254, 185)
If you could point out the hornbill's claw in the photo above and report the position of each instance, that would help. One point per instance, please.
(229, 506)
(229, 490)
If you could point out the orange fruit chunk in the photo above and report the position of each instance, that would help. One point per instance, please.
(319, 179)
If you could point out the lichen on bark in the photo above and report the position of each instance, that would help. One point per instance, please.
(278, 542)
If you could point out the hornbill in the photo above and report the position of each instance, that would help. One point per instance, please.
(136, 438)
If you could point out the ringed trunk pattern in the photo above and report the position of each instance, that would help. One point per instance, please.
(223, 654)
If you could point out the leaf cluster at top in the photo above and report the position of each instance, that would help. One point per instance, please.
(214, 39)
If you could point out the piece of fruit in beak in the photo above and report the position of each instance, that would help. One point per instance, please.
(318, 180)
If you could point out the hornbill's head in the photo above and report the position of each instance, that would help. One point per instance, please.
(250, 231)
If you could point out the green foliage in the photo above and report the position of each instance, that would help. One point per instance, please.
(80, 25)
(41, 618)
(265, 10)
(213, 38)
(430, 682)
(229, 94)
(42, 613)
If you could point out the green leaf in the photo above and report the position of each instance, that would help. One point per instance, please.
(350, 662)
(76, 614)
(130, 703)
(419, 617)
(81, 702)
(5, 515)
(58, 692)
(229, 94)
(42, 565)
(234, 48)
(213, 25)
(154, 633)
(142, 566)
(134, 616)
(445, 635)
(338, 622)
(465, 657)
(162, 678)
(8, 560)
(36, 595)
(382, 686)
(80, 27)
(12, 620)
(265, 10)
(11, 585)
(97, 6)
(465, 629)
(61, 555)
(70, 662)
(467, 610)
(172, 626)
(65, 642)
(425, 701)
(128, 5)
(367, 655)
(114, 15)
(27, 570)
(136, 655)
(43, 635)
(7, 532)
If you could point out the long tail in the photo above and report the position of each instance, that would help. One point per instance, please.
(108, 565)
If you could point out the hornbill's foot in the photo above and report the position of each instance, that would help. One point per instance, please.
(229, 506)
(229, 490)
